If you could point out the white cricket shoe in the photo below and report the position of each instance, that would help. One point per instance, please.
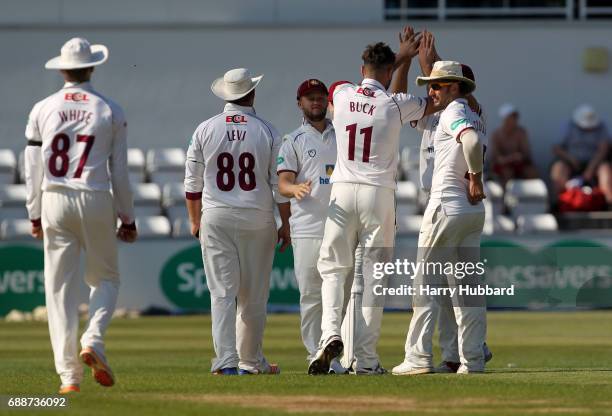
(408, 369)
(464, 370)
(321, 362)
(335, 367)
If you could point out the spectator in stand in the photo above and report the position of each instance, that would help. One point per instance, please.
(583, 154)
(510, 151)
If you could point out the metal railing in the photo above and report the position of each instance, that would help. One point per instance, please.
(443, 11)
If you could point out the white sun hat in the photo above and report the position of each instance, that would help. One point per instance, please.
(449, 71)
(235, 84)
(507, 109)
(78, 53)
(585, 117)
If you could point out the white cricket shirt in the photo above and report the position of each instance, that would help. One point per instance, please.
(427, 125)
(450, 184)
(83, 138)
(368, 120)
(311, 155)
(231, 161)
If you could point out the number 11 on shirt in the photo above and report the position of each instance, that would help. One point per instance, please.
(366, 132)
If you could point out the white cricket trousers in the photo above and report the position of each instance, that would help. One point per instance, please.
(363, 215)
(73, 221)
(305, 257)
(447, 232)
(238, 250)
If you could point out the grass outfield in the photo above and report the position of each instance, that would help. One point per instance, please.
(552, 363)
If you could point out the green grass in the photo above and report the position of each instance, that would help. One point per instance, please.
(545, 363)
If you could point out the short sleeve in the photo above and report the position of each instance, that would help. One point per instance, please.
(287, 157)
(454, 120)
(410, 107)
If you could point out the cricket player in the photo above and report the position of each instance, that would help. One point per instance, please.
(454, 218)
(76, 153)
(230, 178)
(367, 120)
(428, 125)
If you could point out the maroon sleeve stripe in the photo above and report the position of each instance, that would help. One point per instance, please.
(286, 170)
(193, 196)
(36, 222)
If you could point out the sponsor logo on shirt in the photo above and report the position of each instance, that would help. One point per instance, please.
(76, 97)
(329, 169)
(236, 119)
(312, 153)
(280, 160)
(458, 122)
(365, 91)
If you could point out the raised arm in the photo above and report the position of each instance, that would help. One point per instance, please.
(408, 49)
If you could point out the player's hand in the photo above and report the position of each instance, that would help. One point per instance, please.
(37, 232)
(195, 230)
(408, 44)
(127, 232)
(302, 190)
(427, 49)
(284, 237)
(476, 188)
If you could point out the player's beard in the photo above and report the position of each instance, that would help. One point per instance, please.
(315, 116)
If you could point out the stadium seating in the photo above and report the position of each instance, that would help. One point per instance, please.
(181, 228)
(8, 166)
(21, 167)
(173, 201)
(153, 227)
(495, 195)
(526, 196)
(537, 224)
(147, 199)
(12, 201)
(16, 229)
(166, 165)
(136, 166)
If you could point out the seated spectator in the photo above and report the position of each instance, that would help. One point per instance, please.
(582, 156)
(510, 155)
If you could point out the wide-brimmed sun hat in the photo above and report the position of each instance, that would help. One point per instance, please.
(78, 53)
(449, 71)
(235, 84)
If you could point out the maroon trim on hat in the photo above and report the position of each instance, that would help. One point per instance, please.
(36, 223)
(332, 89)
(193, 196)
(467, 72)
(286, 170)
(307, 86)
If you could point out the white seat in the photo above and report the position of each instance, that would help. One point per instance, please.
(147, 199)
(537, 224)
(13, 195)
(151, 227)
(15, 229)
(406, 192)
(173, 194)
(503, 225)
(409, 224)
(166, 165)
(526, 196)
(181, 228)
(136, 165)
(495, 195)
(8, 166)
